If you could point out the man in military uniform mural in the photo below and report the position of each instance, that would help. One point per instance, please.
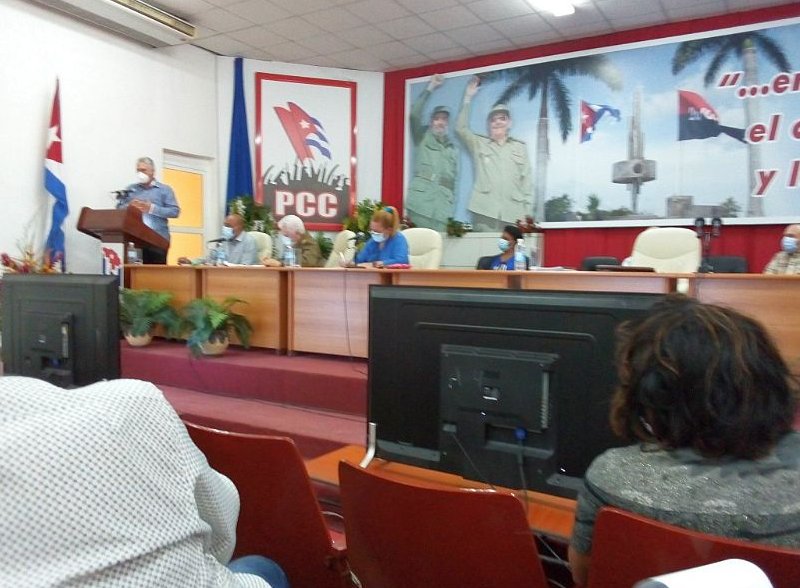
(430, 200)
(502, 191)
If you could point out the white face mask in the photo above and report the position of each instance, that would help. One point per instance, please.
(788, 244)
(377, 237)
(227, 233)
(142, 178)
(286, 240)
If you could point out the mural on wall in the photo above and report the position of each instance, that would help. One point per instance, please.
(306, 148)
(654, 133)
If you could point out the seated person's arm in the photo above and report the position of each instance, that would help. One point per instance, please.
(589, 504)
(396, 251)
(367, 255)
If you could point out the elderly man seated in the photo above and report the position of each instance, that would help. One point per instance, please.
(787, 260)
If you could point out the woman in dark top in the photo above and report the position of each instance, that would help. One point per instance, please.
(505, 260)
(711, 404)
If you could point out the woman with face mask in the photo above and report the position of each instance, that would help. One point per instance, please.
(506, 244)
(787, 260)
(387, 245)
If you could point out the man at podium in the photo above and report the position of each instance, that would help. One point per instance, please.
(157, 203)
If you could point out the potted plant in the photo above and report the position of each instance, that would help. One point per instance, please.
(140, 311)
(209, 322)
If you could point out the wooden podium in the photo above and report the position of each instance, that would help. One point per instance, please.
(119, 226)
(114, 229)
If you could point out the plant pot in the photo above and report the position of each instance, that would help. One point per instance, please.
(216, 345)
(138, 340)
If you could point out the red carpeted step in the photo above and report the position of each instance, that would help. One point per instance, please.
(314, 431)
(327, 383)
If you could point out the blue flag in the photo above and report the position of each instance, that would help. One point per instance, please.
(53, 183)
(240, 170)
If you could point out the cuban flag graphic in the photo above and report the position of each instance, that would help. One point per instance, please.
(591, 115)
(53, 183)
(304, 131)
(697, 119)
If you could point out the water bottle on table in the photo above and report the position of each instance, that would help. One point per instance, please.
(221, 256)
(519, 256)
(132, 257)
(289, 258)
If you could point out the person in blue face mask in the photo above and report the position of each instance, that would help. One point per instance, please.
(387, 245)
(787, 260)
(505, 259)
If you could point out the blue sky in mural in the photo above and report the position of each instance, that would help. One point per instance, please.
(710, 170)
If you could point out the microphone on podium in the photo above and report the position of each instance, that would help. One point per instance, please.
(220, 240)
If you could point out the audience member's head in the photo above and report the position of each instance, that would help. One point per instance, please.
(385, 222)
(292, 227)
(703, 377)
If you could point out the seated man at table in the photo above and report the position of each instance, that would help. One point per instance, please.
(292, 233)
(237, 245)
(787, 260)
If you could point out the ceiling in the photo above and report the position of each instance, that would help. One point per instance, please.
(384, 35)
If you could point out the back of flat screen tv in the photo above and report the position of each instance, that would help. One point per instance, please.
(63, 328)
(509, 387)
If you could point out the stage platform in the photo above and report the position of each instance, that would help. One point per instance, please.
(320, 402)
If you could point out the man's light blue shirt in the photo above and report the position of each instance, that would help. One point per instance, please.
(163, 205)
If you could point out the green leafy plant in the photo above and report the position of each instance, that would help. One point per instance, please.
(325, 244)
(455, 228)
(257, 217)
(359, 222)
(206, 319)
(142, 310)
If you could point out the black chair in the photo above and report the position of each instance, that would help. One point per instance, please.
(485, 262)
(589, 264)
(726, 264)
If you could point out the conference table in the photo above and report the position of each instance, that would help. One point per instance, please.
(326, 310)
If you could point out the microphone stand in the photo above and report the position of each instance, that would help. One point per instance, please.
(706, 234)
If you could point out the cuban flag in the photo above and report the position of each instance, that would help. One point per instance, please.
(304, 131)
(591, 115)
(53, 183)
(697, 119)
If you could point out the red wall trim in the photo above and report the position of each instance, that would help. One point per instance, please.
(568, 246)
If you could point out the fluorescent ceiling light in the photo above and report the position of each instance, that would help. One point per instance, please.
(556, 7)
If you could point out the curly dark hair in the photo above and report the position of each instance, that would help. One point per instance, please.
(702, 376)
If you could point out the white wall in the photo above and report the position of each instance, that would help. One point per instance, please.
(369, 114)
(119, 100)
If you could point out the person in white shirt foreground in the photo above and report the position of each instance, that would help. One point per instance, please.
(102, 486)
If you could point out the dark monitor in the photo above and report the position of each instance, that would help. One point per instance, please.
(509, 387)
(63, 328)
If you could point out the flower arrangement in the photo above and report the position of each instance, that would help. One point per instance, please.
(30, 263)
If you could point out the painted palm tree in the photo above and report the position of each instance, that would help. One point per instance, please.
(742, 46)
(547, 81)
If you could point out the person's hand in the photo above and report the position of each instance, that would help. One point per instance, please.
(184, 261)
(140, 204)
(472, 87)
(436, 81)
(378, 264)
(270, 262)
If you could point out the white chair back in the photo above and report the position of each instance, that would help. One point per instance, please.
(667, 250)
(345, 243)
(424, 248)
(263, 242)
